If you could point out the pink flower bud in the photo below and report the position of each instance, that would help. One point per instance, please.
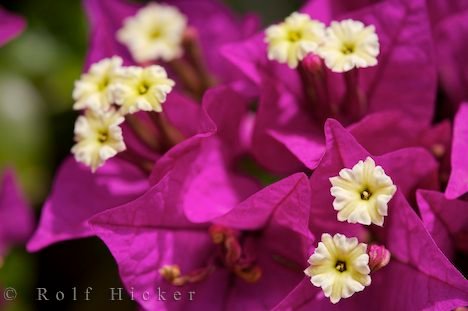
(312, 63)
(191, 34)
(379, 257)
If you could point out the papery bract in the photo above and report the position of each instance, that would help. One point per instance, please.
(446, 220)
(418, 276)
(16, 216)
(10, 26)
(285, 121)
(198, 170)
(152, 232)
(78, 194)
(450, 28)
(458, 182)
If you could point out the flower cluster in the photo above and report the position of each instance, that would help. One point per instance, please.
(340, 265)
(344, 45)
(108, 92)
(264, 156)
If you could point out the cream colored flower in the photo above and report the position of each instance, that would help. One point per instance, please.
(340, 266)
(154, 33)
(98, 137)
(349, 44)
(92, 90)
(290, 41)
(362, 193)
(141, 88)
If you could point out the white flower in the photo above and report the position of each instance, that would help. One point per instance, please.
(350, 44)
(154, 33)
(92, 90)
(290, 41)
(141, 88)
(362, 193)
(98, 137)
(340, 266)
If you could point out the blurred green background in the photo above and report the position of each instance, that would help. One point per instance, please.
(37, 71)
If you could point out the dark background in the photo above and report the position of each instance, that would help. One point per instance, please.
(37, 71)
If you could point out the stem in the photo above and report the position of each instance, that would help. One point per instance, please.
(170, 136)
(354, 104)
(144, 164)
(142, 133)
(195, 55)
(188, 76)
(316, 90)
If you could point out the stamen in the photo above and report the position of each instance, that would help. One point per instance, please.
(294, 36)
(103, 136)
(340, 266)
(249, 274)
(170, 272)
(348, 48)
(234, 256)
(365, 195)
(143, 89)
(173, 275)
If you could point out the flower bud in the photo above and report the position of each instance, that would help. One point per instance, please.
(379, 257)
(312, 63)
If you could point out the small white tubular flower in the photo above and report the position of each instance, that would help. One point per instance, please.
(340, 266)
(139, 88)
(154, 33)
(362, 193)
(350, 44)
(290, 41)
(92, 90)
(98, 137)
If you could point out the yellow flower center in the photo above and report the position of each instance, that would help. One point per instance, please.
(103, 136)
(143, 88)
(340, 266)
(365, 195)
(104, 83)
(155, 33)
(294, 36)
(348, 48)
